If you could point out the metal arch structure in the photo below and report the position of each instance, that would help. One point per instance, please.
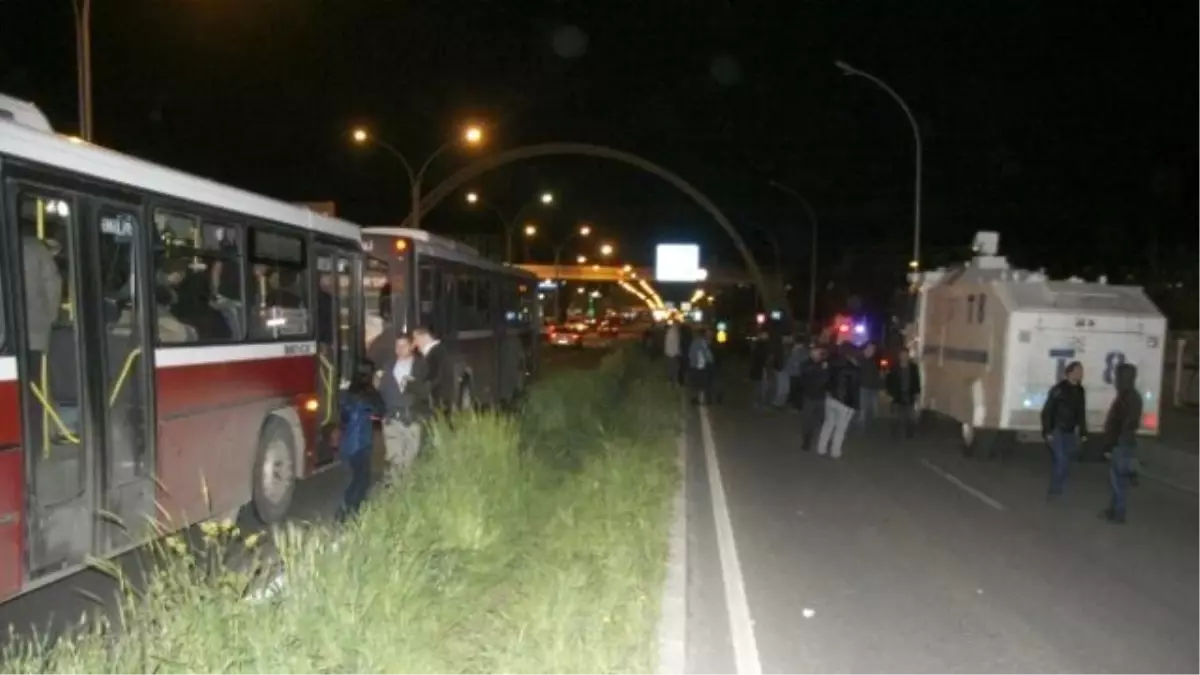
(491, 162)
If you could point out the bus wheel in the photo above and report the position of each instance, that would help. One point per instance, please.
(274, 471)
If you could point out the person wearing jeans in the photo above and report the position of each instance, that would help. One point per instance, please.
(1064, 424)
(840, 404)
(1120, 433)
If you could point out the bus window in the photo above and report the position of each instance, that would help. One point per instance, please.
(51, 364)
(510, 302)
(377, 298)
(345, 297)
(526, 303)
(429, 288)
(466, 315)
(483, 302)
(278, 286)
(123, 362)
(196, 296)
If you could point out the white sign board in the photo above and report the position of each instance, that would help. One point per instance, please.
(677, 263)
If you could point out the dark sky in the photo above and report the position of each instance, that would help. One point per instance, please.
(1070, 127)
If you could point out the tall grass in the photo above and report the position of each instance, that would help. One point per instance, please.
(533, 544)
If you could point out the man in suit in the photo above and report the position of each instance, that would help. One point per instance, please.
(440, 370)
(405, 400)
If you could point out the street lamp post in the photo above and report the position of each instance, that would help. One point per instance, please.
(812, 265)
(915, 263)
(510, 225)
(581, 231)
(83, 64)
(472, 135)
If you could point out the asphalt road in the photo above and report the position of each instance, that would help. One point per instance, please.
(906, 557)
(60, 605)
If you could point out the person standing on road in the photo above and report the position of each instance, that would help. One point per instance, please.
(358, 405)
(401, 390)
(1064, 424)
(671, 351)
(783, 377)
(758, 370)
(813, 385)
(904, 388)
(841, 402)
(871, 381)
(1120, 436)
(701, 362)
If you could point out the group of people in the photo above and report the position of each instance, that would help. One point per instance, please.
(403, 388)
(833, 385)
(1064, 426)
(691, 361)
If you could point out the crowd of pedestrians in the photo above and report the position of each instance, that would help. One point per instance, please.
(834, 387)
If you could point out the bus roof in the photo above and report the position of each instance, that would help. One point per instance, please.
(36, 144)
(446, 248)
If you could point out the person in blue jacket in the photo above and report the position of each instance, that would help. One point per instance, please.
(359, 404)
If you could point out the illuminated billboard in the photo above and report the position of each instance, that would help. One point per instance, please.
(677, 263)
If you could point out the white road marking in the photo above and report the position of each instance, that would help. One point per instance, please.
(741, 626)
(966, 488)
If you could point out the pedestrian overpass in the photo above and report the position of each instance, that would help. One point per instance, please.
(615, 273)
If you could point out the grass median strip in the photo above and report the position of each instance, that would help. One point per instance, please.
(527, 543)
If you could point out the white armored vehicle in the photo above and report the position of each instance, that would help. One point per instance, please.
(992, 340)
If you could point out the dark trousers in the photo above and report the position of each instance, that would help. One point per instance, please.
(359, 465)
(812, 416)
(702, 384)
(904, 420)
(1120, 470)
(1062, 446)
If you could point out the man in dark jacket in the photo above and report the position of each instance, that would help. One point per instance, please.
(841, 402)
(871, 382)
(1120, 436)
(440, 373)
(1064, 424)
(811, 386)
(904, 387)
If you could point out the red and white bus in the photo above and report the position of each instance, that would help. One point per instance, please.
(170, 348)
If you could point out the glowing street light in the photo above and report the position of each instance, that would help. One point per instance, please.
(582, 260)
(472, 197)
(472, 135)
(585, 230)
(627, 269)
(530, 230)
(547, 198)
(606, 250)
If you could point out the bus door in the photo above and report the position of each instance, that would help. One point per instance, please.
(337, 337)
(87, 401)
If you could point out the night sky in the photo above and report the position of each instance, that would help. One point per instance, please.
(1069, 127)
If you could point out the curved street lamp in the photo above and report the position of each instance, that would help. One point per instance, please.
(846, 68)
(812, 264)
(471, 136)
(510, 224)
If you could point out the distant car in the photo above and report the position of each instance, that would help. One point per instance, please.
(569, 335)
(609, 328)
